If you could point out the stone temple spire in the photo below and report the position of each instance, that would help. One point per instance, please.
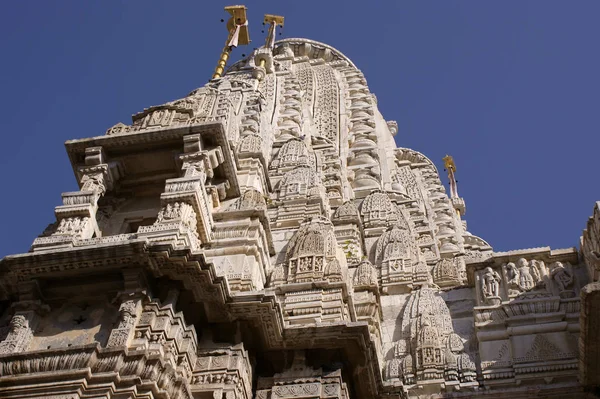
(265, 237)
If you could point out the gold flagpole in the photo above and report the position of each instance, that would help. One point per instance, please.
(238, 22)
(273, 21)
(451, 169)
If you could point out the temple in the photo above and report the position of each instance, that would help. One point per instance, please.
(265, 237)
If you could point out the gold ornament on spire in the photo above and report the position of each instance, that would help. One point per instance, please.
(451, 168)
(457, 202)
(237, 26)
(273, 21)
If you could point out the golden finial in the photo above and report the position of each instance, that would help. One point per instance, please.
(237, 26)
(449, 163)
(273, 21)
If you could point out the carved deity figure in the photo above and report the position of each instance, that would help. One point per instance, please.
(93, 182)
(490, 285)
(72, 226)
(512, 276)
(563, 277)
(526, 281)
(170, 211)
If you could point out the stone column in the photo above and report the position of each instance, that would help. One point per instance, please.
(186, 213)
(131, 303)
(76, 218)
(26, 317)
(20, 333)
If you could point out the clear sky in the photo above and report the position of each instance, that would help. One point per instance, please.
(509, 88)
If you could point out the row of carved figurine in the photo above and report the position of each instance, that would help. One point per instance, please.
(526, 276)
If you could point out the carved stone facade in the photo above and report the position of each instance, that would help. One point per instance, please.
(264, 237)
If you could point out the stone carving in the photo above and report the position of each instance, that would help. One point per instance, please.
(121, 334)
(301, 381)
(564, 279)
(311, 250)
(378, 210)
(524, 276)
(19, 335)
(348, 213)
(429, 349)
(250, 199)
(74, 226)
(365, 276)
(490, 286)
(288, 219)
(326, 103)
(93, 182)
(300, 182)
(251, 143)
(401, 262)
(292, 154)
(178, 211)
(449, 272)
(527, 279)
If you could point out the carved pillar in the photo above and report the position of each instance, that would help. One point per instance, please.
(76, 218)
(26, 317)
(128, 314)
(131, 300)
(20, 333)
(187, 203)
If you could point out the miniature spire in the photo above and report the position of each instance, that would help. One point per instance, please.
(237, 26)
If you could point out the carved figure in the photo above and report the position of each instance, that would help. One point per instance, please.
(490, 285)
(93, 182)
(563, 277)
(72, 226)
(526, 281)
(512, 277)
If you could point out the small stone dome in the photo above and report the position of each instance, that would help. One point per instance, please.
(377, 209)
(346, 213)
(365, 276)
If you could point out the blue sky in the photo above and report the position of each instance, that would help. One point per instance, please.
(509, 88)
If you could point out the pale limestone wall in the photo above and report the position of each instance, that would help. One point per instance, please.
(283, 234)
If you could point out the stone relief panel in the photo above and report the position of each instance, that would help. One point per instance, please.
(302, 381)
(527, 319)
(224, 371)
(525, 278)
(312, 255)
(429, 349)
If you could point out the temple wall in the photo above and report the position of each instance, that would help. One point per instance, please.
(264, 237)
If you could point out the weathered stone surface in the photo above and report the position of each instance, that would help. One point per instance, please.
(264, 237)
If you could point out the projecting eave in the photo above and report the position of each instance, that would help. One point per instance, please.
(151, 146)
